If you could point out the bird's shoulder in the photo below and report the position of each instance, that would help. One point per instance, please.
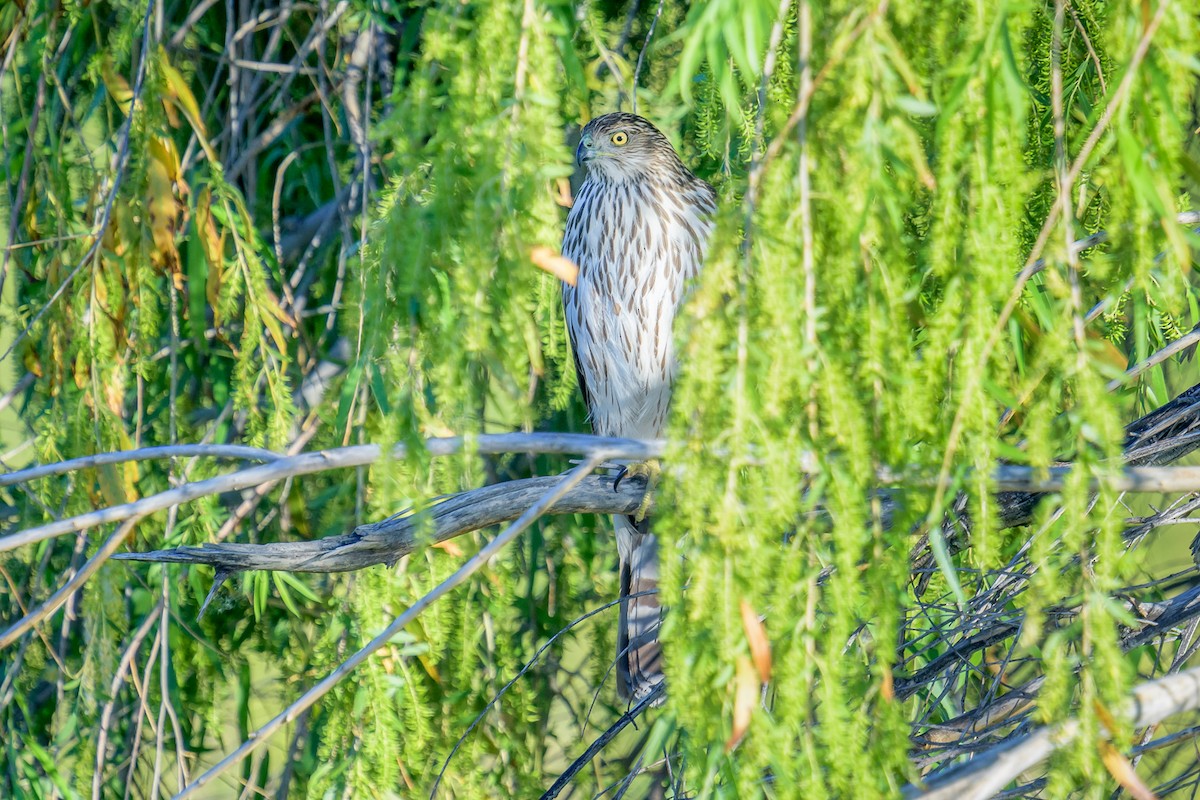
(704, 195)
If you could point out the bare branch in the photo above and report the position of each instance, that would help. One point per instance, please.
(141, 454)
(339, 458)
(992, 770)
(1159, 437)
(1182, 343)
(602, 741)
(387, 541)
(242, 479)
(637, 70)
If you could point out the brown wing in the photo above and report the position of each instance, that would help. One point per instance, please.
(574, 248)
(587, 399)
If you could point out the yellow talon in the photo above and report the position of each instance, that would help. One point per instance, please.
(651, 470)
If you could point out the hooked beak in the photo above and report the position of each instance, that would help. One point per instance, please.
(583, 153)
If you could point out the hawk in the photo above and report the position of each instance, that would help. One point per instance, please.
(638, 232)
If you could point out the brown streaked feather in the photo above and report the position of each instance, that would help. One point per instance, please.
(580, 377)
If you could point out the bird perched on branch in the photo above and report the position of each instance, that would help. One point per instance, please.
(638, 232)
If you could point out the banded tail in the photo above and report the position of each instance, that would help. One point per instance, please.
(639, 653)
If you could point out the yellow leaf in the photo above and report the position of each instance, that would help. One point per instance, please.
(745, 700)
(116, 235)
(162, 211)
(277, 311)
(82, 371)
(1105, 351)
(114, 393)
(32, 363)
(887, 687)
(273, 317)
(276, 332)
(112, 487)
(430, 667)
(172, 113)
(450, 547)
(179, 91)
(213, 247)
(1124, 773)
(116, 85)
(760, 646)
(163, 150)
(131, 467)
(562, 193)
(560, 267)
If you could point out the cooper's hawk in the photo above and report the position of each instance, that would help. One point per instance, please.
(638, 232)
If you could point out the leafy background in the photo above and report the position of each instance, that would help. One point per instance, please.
(307, 225)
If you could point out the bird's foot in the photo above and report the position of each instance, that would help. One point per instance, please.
(651, 470)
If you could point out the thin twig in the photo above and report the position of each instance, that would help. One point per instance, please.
(69, 588)
(1087, 42)
(247, 506)
(22, 186)
(840, 49)
(243, 479)
(602, 741)
(289, 714)
(24, 383)
(528, 665)
(141, 454)
(114, 689)
(1008, 478)
(804, 167)
(637, 70)
(992, 770)
(1182, 343)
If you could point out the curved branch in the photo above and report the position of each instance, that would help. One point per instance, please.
(388, 540)
(340, 458)
(1159, 437)
(995, 768)
(303, 464)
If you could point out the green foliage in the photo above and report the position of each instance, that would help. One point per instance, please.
(901, 341)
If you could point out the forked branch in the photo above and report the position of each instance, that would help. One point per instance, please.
(990, 771)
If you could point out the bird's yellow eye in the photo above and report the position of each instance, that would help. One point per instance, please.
(620, 138)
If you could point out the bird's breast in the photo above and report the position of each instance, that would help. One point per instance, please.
(637, 246)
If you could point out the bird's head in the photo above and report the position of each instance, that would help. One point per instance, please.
(624, 147)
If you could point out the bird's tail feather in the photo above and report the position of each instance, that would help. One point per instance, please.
(639, 653)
